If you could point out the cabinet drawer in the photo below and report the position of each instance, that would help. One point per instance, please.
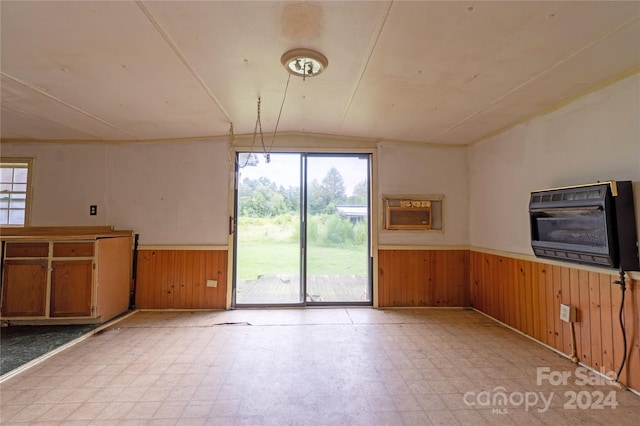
(27, 250)
(73, 249)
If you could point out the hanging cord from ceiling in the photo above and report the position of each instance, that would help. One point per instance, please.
(284, 98)
(232, 135)
(232, 142)
(232, 138)
(258, 129)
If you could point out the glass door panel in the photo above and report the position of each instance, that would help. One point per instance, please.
(286, 257)
(268, 259)
(337, 229)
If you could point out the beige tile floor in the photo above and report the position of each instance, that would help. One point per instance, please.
(314, 366)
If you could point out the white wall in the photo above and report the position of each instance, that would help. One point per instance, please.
(594, 138)
(171, 193)
(178, 192)
(168, 192)
(412, 169)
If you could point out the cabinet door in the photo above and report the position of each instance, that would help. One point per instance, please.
(24, 288)
(71, 283)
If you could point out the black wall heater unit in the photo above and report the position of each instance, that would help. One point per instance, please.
(592, 224)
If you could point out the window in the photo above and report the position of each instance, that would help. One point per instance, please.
(14, 190)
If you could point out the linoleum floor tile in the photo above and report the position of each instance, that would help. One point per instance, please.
(303, 367)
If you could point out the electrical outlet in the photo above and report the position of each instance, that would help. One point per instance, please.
(212, 283)
(93, 210)
(568, 313)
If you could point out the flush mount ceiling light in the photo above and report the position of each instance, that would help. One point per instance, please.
(304, 62)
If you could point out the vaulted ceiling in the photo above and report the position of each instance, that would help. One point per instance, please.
(445, 72)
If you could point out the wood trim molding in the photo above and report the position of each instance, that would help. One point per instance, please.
(181, 247)
(635, 275)
(434, 247)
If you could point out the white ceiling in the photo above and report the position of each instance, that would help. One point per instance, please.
(424, 71)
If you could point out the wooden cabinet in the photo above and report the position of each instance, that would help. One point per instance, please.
(26, 297)
(70, 277)
(71, 282)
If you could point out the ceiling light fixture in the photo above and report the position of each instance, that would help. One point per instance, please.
(304, 62)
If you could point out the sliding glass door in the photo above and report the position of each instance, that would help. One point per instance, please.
(337, 229)
(302, 230)
(268, 261)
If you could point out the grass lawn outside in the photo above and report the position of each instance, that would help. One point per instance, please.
(268, 257)
(270, 245)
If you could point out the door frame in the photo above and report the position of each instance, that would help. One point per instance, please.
(374, 217)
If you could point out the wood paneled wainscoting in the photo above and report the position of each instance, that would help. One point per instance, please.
(417, 277)
(177, 279)
(526, 295)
